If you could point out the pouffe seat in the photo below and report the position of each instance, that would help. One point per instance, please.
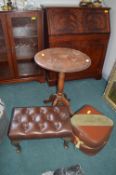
(39, 122)
(91, 129)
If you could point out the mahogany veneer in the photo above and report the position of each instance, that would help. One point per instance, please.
(84, 29)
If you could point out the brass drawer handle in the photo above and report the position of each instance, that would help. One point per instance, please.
(33, 18)
(106, 11)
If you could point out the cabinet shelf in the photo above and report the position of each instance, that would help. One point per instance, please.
(28, 68)
(24, 31)
(25, 37)
(24, 51)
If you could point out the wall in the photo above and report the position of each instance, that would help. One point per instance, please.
(60, 2)
(111, 51)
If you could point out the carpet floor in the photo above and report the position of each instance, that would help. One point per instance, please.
(43, 155)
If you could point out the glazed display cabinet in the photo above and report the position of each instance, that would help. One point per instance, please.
(21, 37)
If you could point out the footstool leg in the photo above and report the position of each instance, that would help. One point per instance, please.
(66, 142)
(66, 146)
(17, 146)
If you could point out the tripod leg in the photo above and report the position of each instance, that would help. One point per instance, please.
(50, 99)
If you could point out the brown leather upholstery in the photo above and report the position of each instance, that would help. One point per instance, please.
(92, 137)
(40, 122)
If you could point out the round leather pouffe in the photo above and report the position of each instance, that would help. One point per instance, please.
(91, 129)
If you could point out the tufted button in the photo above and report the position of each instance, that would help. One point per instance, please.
(36, 118)
(50, 117)
(43, 126)
(27, 126)
(43, 110)
(17, 118)
(63, 116)
(14, 125)
(56, 109)
(24, 119)
(58, 125)
(29, 111)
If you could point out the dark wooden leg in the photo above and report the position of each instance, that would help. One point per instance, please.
(66, 142)
(50, 99)
(65, 95)
(66, 146)
(17, 146)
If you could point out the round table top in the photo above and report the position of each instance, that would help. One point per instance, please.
(62, 60)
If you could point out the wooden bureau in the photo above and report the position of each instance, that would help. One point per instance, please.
(84, 29)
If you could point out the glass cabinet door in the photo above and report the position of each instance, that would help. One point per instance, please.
(5, 68)
(25, 32)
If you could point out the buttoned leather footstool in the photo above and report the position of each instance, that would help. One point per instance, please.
(39, 123)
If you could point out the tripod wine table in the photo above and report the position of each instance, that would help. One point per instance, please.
(62, 60)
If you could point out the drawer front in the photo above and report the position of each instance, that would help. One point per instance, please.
(77, 20)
